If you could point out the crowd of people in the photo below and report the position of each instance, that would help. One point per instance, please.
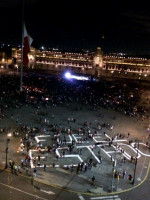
(43, 90)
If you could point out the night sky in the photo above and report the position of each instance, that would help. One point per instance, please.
(116, 26)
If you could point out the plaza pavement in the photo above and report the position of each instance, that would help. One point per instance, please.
(66, 179)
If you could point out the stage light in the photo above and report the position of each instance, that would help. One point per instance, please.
(68, 75)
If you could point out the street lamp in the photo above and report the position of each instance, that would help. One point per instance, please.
(7, 141)
(113, 169)
(134, 171)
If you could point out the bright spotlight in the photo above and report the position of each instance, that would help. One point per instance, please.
(68, 75)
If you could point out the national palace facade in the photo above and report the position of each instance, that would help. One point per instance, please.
(94, 64)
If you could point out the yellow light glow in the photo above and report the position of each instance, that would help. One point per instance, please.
(9, 134)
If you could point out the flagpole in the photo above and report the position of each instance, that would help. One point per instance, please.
(21, 68)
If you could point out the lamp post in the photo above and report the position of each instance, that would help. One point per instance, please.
(113, 169)
(134, 171)
(7, 141)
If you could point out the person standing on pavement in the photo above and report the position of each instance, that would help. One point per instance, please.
(15, 169)
(10, 163)
(123, 174)
(39, 158)
(35, 171)
(131, 159)
(19, 169)
(93, 180)
(100, 160)
(22, 161)
(44, 167)
(12, 168)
